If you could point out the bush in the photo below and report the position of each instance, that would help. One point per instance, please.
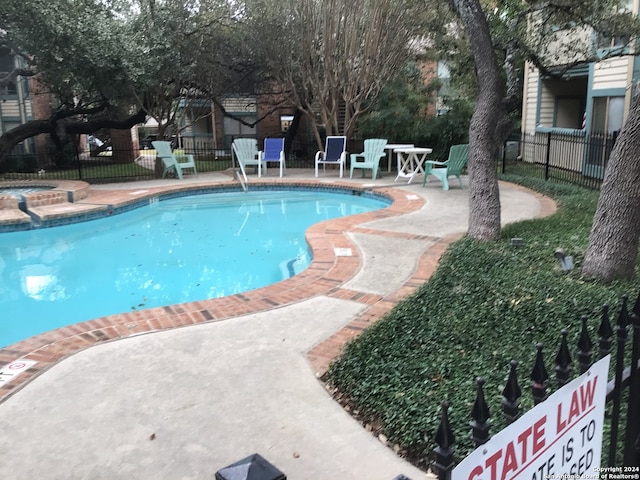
(452, 128)
(487, 303)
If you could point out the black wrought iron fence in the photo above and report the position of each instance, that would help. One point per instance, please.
(117, 165)
(623, 391)
(575, 157)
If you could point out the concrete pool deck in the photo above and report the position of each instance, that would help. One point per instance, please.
(185, 402)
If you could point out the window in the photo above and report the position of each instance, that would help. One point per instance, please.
(607, 41)
(444, 92)
(285, 122)
(569, 112)
(242, 106)
(607, 117)
(608, 38)
(6, 61)
(6, 66)
(563, 101)
(233, 128)
(239, 129)
(10, 89)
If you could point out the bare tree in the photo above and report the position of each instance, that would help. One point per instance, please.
(332, 57)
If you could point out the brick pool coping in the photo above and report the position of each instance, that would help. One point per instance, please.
(325, 276)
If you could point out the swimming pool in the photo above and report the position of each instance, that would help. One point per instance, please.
(171, 251)
(19, 191)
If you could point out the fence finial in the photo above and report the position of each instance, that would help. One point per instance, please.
(480, 415)
(623, 316)
(511, 395)
(631, 452)
(539, 377)
(444, 439)
(616, 394)
(563, 361)
(605, 333)
(636, 306)
(585, 345)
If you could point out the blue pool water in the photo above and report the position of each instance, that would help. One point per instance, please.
(167, 252)
(19, 191)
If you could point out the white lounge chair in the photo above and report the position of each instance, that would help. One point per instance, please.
(335, 152)
(273, 152)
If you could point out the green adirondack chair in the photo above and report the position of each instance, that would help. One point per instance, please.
(173, 161)
(373, 152)
(458, 156)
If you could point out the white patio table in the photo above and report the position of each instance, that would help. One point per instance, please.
(411, 162)
(392, 147)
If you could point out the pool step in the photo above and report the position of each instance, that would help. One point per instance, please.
(10, 213)
(51, 207)
(49, 197)
(58, 213)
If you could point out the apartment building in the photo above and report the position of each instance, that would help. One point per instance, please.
(585, 106)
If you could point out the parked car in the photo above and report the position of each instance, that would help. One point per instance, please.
(145, 143)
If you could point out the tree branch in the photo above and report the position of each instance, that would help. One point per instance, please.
(14, 74)
(37, 127)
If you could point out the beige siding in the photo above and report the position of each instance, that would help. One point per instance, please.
(240, 104)
(547, 106)
(10, 108)
(531, 100)
(611, 73)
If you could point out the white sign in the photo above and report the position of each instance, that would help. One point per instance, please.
(15, 368)
(559, 438)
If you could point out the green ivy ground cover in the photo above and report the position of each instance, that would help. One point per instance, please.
(486, 304)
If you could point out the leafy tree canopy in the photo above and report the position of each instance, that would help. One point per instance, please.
(112, 61)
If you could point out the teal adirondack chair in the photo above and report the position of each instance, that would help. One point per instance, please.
(172, 161)
(458, 156)
(373, 152)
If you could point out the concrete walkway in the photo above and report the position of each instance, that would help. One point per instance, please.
(183, 403)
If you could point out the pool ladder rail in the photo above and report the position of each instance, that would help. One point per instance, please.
(242, 181)
(240, 174)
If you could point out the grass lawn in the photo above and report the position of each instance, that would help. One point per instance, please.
(486, 304)
(103, 172)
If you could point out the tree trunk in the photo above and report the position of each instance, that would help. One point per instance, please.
(489, 114)
(122, 146)
(613, 242)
